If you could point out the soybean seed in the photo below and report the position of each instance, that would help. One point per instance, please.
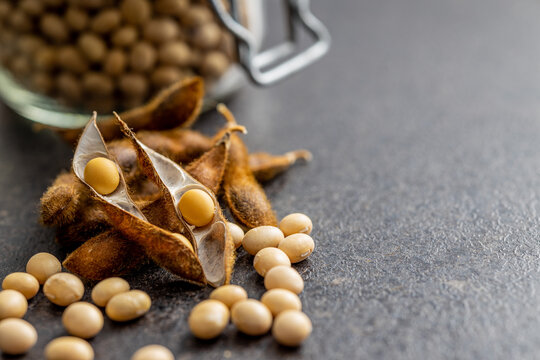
(32, 7)
(164, 76)
(237, 234)
(82, 319)
(261, 237)
(13, 304)
(128, 306)
(208, 319)
(153, 352)
(197, 207)
(42, 265)
(135, 12)
(175, 53)
(291, 328)
(69, 348)
(22, 282)
(63, 289)
(106, 289)
(105, 21)
(229, 294)
(214, 64)
(125, 36)
(69, 58)
(76, 18)
(69, 86)
(296, 223)
(17, 336)
(142, 57)
(92, 47)
(284, 277)
(102, 175)
(297, 247)
(54, 27)
(171, 7)
(207, 36)
(161, 30)
(115, 62)
(98, 85)
(251, 317)
(133, 85)
(279, 300)
(268, 258)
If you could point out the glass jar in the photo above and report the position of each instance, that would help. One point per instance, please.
(61, 59)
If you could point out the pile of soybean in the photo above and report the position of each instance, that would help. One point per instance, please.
(82, 320)
(105, 55)
(280, 308)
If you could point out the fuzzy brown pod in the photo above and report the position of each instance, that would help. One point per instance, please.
(61, 202)
(105, 255)
(213, 242)
(160, 245)
(266, 167)
(176, 105)
(244, 195)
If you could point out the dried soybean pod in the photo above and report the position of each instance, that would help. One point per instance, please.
(59, 204)
(210, 167)
(159, 244)
(90, 221)
(244, 195)
(105, 255)
(177, 105)
(213, 242)
(266, 166)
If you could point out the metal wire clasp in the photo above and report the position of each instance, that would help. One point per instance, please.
(275, 64)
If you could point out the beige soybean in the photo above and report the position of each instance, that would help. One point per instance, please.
(208, 319)
(70, 58)
(68, 86)
(17, 336)
(102, 175)
(296, 223)
(214, 64)
(76, 18)
(92, 47)
(284, 277)
(142, 57)
(82, 319)
(133, 85)
(96, 84)
(261, 237)
(207, 36)
(115, 62)
(22, 282)
(279, 300)
(63, 289)
(54, 27)
(125, 36)
(13, 304)
(175, 53)
(32, 7)
(171, 7)
(251, 317)
(297, 247)
(153, 352)
(229, 294)
(20, 21)
(161, 30)
(196, 207)
(164, 76)
(69, 348)
(106, 289)
(197, 15)
(237, 234)
(136, 12)
(106, 21)
(128, 305)
(268, 258)
(291, 328)
(42, 265)
(45, 59)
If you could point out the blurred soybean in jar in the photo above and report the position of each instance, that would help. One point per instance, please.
(61, 59)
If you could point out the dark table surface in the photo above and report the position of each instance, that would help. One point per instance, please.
(424, 122)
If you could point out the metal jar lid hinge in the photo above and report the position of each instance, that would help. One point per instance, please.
(275, 64)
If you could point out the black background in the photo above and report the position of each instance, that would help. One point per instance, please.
(424, 122)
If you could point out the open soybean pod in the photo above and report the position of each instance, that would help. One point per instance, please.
(160, 245)
(212, 242)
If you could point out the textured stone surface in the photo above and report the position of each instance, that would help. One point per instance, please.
(424, 122)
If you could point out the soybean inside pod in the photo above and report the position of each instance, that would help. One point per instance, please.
(212, 242)
(164, 247)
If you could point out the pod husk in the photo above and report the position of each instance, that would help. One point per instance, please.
(213, 242)
(266, 167)
(60, 203)
(159, 244)
(105, 255)
(244, 195)
(177, 105)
